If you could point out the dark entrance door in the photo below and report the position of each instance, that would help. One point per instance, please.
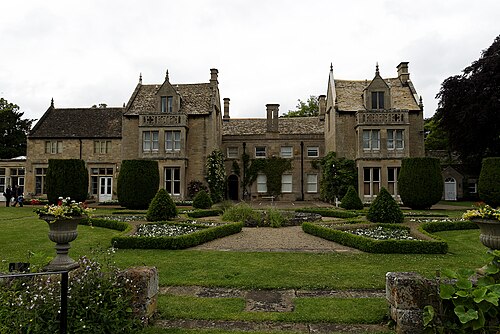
(233, 187)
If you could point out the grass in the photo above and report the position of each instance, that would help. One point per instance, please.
(155, 330)
(307, 310)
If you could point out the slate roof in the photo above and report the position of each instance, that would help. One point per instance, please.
(287, 126)
(195, 99)
(350, 94)
(79, 123)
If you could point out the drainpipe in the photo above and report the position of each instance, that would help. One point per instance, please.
(244, 171)
(302, 170)
(80, 148)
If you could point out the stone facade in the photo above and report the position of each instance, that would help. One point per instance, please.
(376, 123)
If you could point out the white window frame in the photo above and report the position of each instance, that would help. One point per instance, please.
(312, 151)
(102, 146)
(312, 183)
(371, 185)
(260, 152)
(150, 141)
(262, 183)
(232, 152)
(172, 140)
(371, 140)
(392, 180)
(53, 147)
(172, 181)
(395, 139)
(286, 151)
(286, 183)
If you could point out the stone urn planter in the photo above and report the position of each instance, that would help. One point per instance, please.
(490, 232)
(62, 231)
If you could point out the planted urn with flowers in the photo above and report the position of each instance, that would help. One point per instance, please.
(63, 220)
(488, 220)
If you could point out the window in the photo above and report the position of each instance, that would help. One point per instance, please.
(286, 183)
(392, 180)
(102, 146)
(232, 152)
(260, 152)
(94, 177)
(371, 140)
(40, 174)
(371, 181)
(286, 151)
(172, 140)
(150, 141)
(173, 180)
(472, 187)
(377, 100)
(313, 152)
(2, 180)
(167, 103)
(170, 104)
(261, 183)
(312, 183)
(53, 147)
(395, 139)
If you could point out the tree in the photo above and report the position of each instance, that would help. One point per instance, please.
(468, 108)
(337, 175)
(305, 109)
(13, 130)
(162, 207)
(351, 200)
(436, 138)
(138, 183)
(67, 178)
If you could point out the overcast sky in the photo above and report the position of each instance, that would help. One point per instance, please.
(88, 52)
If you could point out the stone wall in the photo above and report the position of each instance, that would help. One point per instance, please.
(144, 281)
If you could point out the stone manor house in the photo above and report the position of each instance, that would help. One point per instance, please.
(375, 122)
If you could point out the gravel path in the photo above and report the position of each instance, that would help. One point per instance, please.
(268, 239)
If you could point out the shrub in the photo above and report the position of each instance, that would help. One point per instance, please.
(67, 178)
(242, 212)
(384, 209)
(489, 182)
(137, 183)
(351, 200)
(202, 200)
(275, 218)
(194, 187)
(337, 175)
(204, 213)
(326, 212)
(420, 182)
(216, 175)
(162, 207)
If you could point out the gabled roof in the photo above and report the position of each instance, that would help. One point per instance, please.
(349, 94)
(286, 126)
(79, 123)
(195, 99)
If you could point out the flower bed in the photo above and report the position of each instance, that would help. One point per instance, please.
(383, 233)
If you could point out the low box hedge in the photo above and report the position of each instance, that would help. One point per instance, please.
(204, 213)
(107, 223)
(439, 226)
(377, 246)
(180, 242)
(327, 212)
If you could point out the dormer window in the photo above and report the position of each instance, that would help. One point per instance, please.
(377, 100)
(167, 103)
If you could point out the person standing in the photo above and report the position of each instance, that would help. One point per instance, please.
(8, 195)
(14, 195)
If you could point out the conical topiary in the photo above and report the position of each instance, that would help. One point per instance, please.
(351, 200)
(202, 200)
(162, 207)
(384, 209)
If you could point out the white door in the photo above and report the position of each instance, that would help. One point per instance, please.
(105, 188)
(450, 189)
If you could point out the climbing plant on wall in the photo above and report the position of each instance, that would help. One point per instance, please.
(273, 168)
(216, 175)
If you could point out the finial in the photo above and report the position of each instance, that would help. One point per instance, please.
(376, 69)
(52, 103)
(421, 103)
(331, 67)
(140, 78)
(166, 77)
(124, 105)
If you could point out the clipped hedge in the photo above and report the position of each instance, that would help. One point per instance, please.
(489, 181)
(432, 227)
(67, 178)
(390, 246)
(180, 242)
(351, 200)
(138, 183)
(205, 213)
(326, 212)
(106, 223)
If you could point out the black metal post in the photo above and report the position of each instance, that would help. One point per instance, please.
(63, 329)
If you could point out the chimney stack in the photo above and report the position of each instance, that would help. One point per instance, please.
(322, 105)
(214, 76)
(272, 117)
(226, 108)
(403, 74)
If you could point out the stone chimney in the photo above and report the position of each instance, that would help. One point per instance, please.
(403, 74)
(226, 108)
(272, 117)
(322, 106)
(214, 76)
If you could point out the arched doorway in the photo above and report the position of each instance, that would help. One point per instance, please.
(450, 189)
(233, 187)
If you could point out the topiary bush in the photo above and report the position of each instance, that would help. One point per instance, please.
(351, 200)
(420, 182)
(384, 209)
(202, 200)
(138, 183)
(67, 178)
(162, 207)
(489, 182)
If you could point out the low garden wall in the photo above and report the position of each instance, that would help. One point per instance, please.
(145, 282)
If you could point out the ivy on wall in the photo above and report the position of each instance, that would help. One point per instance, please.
(273, 168)
(216, 175)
